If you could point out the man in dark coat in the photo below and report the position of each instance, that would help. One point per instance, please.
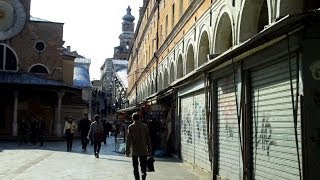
(138, 143)
(23, 132)
(84, 126)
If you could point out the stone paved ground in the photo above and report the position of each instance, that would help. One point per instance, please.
(29, 162)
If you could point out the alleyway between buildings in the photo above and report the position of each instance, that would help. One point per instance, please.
(53, 162)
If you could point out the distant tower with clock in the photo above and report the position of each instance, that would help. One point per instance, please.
(121, 52)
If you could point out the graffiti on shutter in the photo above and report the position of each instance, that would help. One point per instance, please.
(228, 135)
(273, 144)
(187, 134)
(201, 139)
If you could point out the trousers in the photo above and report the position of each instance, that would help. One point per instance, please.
(143, 167)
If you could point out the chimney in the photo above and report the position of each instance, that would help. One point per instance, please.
(69, 48)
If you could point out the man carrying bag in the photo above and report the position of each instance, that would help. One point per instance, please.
(138, 142)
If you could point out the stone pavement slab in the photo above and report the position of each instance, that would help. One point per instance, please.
(51, 161)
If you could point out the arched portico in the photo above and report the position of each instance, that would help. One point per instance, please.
(254, 15)
(285, 7)
(203, 48)
(179, 67)
(223, 34)
(165, 78)
(172, 73)
(190, 59)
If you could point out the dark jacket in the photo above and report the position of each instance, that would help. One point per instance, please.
(84, 126)
(138, 139)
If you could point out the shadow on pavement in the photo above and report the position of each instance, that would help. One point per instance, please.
(111, 159)
(60, 146)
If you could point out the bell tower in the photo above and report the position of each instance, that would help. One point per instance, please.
(122, 51)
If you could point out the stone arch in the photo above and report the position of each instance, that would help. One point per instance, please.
(160, 82)
(39, 68)
(254, 15)
(223, 33)
(203, 48)
(144, 91)
(147, 89)
(172, 73)
(140, 94)
(179, 67)
(152, 87)
(165, 78)
(9, 60)
(190, 59)
(285, 7)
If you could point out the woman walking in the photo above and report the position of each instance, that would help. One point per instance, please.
(96, 133)
(69, 129)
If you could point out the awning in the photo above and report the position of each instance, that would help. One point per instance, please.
(133, 108)
(29, 79)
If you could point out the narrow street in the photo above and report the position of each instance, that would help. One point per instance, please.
(53, 162)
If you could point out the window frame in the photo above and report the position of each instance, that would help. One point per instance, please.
(5, 47)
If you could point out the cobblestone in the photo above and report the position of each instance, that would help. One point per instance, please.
(53, 162)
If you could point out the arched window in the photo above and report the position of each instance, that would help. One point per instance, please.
(190, 60)
(8, 59)
(203, 49)
(180, 67)
(172, 77)
(39, 69)
(223, 40)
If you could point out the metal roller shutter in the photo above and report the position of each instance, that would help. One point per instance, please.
(187, 130)
(273, 143)
(228, 135)
(201, 139)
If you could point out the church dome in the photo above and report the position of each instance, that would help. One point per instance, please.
(128, 16)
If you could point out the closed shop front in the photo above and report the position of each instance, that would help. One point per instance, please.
(187, 130)
(228, 149)
(274, 149)
(194, 140)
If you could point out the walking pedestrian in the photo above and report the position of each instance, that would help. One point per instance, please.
(33, 133)
(69, 129)
(84, 126)
(105, 131)
(96, 132)
(23, 132)
(109, 128)
(138, 143)
(40, 128)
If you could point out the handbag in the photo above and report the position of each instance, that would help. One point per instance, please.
(150, 164)
(68, 132)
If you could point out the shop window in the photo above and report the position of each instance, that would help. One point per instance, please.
(8, 59)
